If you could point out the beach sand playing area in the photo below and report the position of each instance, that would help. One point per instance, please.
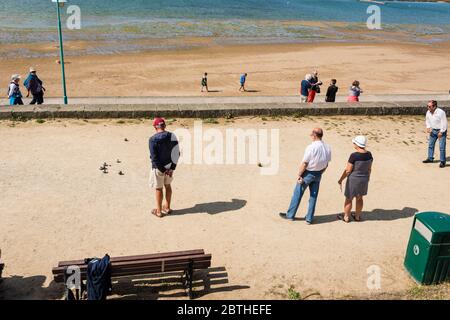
(57, 205)
(273, 70)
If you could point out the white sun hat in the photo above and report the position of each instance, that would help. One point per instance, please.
(32, 69)
(15, 77)
(360, 141)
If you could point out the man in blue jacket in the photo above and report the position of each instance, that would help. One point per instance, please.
(34, 86)
(164, 155)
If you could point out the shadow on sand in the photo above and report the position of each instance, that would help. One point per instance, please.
(212, 207)
(168, 285)
(374, 215)
(29, 288)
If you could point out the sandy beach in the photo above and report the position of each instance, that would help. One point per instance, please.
(57, 205)
(274, 70)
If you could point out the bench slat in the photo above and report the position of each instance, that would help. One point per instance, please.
(138, 257)
(152, 262)
(143, 270)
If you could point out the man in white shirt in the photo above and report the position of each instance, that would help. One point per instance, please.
(437, 127)
(315, 162)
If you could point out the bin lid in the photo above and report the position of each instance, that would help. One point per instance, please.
(437, 222)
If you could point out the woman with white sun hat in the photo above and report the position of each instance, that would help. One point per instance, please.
(357, 172)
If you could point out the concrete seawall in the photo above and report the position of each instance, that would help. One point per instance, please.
(216, 110)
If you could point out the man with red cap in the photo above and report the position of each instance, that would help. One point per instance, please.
(164, 155)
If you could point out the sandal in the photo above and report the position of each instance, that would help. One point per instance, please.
(155, 212)
(354, 218)
(165, 211)
(341, 217)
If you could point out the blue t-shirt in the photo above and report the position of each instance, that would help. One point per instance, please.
(305, 86)
(243, 79)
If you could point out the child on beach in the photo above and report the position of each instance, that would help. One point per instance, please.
(331, 92)
(355, 92)
(242, 81)
(205, 82)
(14, 94)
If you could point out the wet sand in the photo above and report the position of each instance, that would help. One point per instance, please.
(274, 70)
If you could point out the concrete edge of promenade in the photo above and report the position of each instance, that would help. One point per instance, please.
(216, 110)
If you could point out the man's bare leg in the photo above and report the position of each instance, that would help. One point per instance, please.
(168, 198)
(159, 199)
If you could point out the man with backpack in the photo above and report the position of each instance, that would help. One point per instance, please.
(34, 86)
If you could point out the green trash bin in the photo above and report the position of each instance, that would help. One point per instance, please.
(428, 254)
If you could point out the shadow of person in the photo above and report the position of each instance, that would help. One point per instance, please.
(212, 207)
(374, 215)
(29, 288)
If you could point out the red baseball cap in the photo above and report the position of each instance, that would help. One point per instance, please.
(159, 122)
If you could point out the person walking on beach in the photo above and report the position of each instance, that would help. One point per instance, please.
(355, 92)
(305, 87)
(164, 155)
(357, 172)
(315, 162)
(14, 94)
(437, 127)
(34, 85)
(315, 86)
(331, 92)
(205, 82)
(242, 82)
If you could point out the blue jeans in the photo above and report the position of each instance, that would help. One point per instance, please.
(442, 145)
(311, 179)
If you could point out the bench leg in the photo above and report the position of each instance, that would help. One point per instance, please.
(188, 278)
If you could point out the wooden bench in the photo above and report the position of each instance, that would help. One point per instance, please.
(186, 261)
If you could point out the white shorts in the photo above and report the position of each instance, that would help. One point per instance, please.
(159, 179)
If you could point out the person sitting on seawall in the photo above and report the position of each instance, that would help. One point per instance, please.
(355, 92)
(14, 94)
(357, 172)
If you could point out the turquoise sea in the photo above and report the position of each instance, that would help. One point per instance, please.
(120, 25)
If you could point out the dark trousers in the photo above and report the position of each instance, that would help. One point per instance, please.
(38, 98)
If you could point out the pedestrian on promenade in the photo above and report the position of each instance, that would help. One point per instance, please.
(14, 94)
(242, 82)
(305, 87)
(332, 91)
(315, 162)
(205, 82)
(315, 86)
(355, 92)
(35, 87)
